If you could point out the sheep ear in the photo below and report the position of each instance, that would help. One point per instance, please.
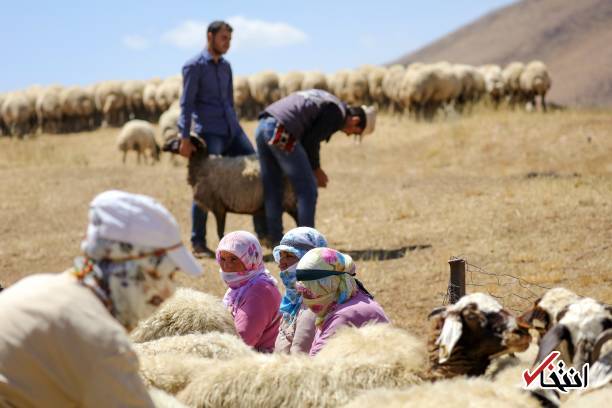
(551, 341)
(449, 336)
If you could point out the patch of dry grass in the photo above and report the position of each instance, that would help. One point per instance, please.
(459, 185)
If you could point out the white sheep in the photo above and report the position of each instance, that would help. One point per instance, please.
(494, 83)
(290, 82)
(172, 372)
(18, 114)
(243, 102)
(357, 88)
(162, 399)
(217, 345)
(148, 100)
(188, 311)
(387, 356)
(543, 315)
(139, 136)
(78, 109)
(337, 84)
(314, 80)
(167, 92)
(511, 75)
(168, 123)
(391, 86)
(111, 103)
(49, 110)
(264, 88)
(133, 91)
(375, 86)
(535, 81)
(453, 393)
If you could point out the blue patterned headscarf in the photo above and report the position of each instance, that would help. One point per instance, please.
(297, 241)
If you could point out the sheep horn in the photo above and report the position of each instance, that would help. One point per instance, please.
(551, 341)
(602, 339)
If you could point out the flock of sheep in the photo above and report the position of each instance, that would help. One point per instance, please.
(189, 349)
(421, 90)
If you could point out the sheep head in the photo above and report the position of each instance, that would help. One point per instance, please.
(467, 335)
(583, 329)
(543, 315)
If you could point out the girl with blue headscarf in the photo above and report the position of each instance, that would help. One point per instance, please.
(297, 329)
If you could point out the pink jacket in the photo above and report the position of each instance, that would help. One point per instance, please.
(357, 311)
(257, 318)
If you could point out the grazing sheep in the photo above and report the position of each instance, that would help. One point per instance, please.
(49, 111)
(188, 311)
(111, 103)
(264, 88)
(314, 80)
(386, 357)
(583, 329)
(78, 109)
(133, 91)
(375, 86)
(535, 81)
(337, 84)
(511, 76)
(18, 114)
(469, 93)
(465, 336)
(543, 315)
(415, 89)
(290, 82)
(138, 135)
(217, 345)
(167, 92)
(168, 123)
(229, 184)
(391, 86)
(357, 88)
(148, 100)
(494, 83)
(243, 102)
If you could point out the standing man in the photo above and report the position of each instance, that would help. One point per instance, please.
(289, 136)
(63, 340)
(208, 100)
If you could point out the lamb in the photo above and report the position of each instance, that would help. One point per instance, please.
(18, 114)
(314, 80)
(138, 135)
(543, 315)
(217, 345)
(535, 81)
(290, 82)
(329, 379)
(188, 311)
(228, 184)
(465, 336)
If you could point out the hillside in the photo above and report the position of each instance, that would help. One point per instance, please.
(572, 37)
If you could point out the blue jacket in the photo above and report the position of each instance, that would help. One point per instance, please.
(208, 97)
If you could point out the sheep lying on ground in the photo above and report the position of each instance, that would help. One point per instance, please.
(457, 392)
(545, 311)
(188, 311)
(386, 356)
(139, 136)
(465, 336)
(228, 184)
(583, 335)
(217, 345)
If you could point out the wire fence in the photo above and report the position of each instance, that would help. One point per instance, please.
(513, 292)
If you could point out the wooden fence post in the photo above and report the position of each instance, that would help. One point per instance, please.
(456, 284)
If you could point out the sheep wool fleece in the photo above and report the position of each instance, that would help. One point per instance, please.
(60, 347)
(357, 311)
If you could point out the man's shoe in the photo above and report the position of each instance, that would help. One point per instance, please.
(202, 251)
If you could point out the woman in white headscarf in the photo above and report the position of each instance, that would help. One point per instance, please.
(297, 329)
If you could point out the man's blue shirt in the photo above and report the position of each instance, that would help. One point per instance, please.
(208, 95)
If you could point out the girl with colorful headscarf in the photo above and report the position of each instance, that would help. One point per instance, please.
(327, 283)
(252, 296)
(297, 328)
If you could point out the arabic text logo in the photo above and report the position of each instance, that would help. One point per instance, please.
(556, 375)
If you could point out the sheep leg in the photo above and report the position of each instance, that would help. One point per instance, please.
(124, 155)
(544, 103)
(220, 219)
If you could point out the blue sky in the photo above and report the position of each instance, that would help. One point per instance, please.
(76, 42)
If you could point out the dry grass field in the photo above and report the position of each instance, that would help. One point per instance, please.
(525, 194)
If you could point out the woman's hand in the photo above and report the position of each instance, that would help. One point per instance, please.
(321, 177)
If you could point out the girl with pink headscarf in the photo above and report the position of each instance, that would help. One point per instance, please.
(252, 296)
